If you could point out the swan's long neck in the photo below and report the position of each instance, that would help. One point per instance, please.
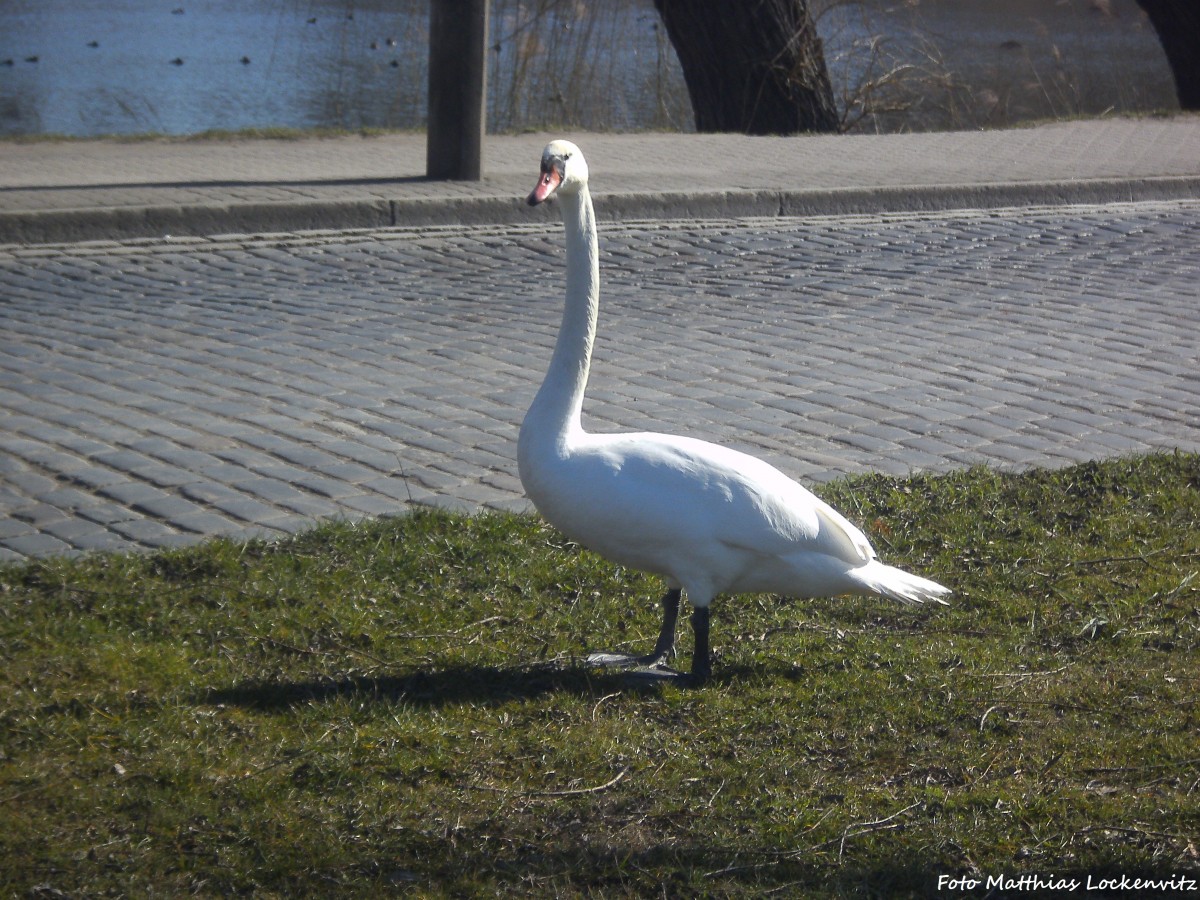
(556, 411)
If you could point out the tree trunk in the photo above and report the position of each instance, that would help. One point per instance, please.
(1178, 25)
(754, 66)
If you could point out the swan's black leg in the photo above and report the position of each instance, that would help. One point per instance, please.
(701, 663)
(653, 664)
(664, 649)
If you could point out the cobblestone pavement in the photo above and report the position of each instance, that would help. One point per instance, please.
(154, 393)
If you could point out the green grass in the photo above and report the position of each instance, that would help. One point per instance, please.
(397, 707)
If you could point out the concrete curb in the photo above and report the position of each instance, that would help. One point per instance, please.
(201, 220)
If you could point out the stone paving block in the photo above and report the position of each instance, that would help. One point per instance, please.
(361, 453)
(297, 501)
(167, 507)
(11, 527)
(31, 483)
(165, 476)
(304, 456)
(232, 503)
(349, 472)
(182, 458)
(10, 497)
(80, 534)
(131, 493)
(372, 504)
(205, 523)
(863, 441)
(39, 514)
(95, 478)
(399, 488)
(330, 488)
(292, 525)
(433, 479)
(511, 504)
(220, 471)
(50, 457)
(927, 445)
(277, 468)
(105, 512)
(993, 429)
(36, 544)
(450, 504)
(508, 482)
(1110, 444)
(271, 490)
(481, 494)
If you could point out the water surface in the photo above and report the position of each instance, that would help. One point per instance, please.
(91, 67)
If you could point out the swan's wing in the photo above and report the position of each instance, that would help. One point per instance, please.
(849, 538)
(810, 524)
(742, 501)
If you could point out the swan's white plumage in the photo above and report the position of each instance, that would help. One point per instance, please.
(707, 518)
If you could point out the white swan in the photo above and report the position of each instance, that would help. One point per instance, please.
(708, 519)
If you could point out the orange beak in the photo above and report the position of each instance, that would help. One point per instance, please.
(547, 184)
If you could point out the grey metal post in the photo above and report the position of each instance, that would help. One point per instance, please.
(457, 89)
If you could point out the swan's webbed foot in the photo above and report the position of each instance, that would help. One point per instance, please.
(652, 665)
(641, 668)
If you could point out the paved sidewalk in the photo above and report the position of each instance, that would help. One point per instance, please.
(99, 190)
(1015, 309)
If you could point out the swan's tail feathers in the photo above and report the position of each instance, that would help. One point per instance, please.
(888, 581)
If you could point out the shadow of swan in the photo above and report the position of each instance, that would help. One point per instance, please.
(489, 685)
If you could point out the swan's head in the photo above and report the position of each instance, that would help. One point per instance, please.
(563, 169)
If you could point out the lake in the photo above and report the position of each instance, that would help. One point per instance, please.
(93, 67)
